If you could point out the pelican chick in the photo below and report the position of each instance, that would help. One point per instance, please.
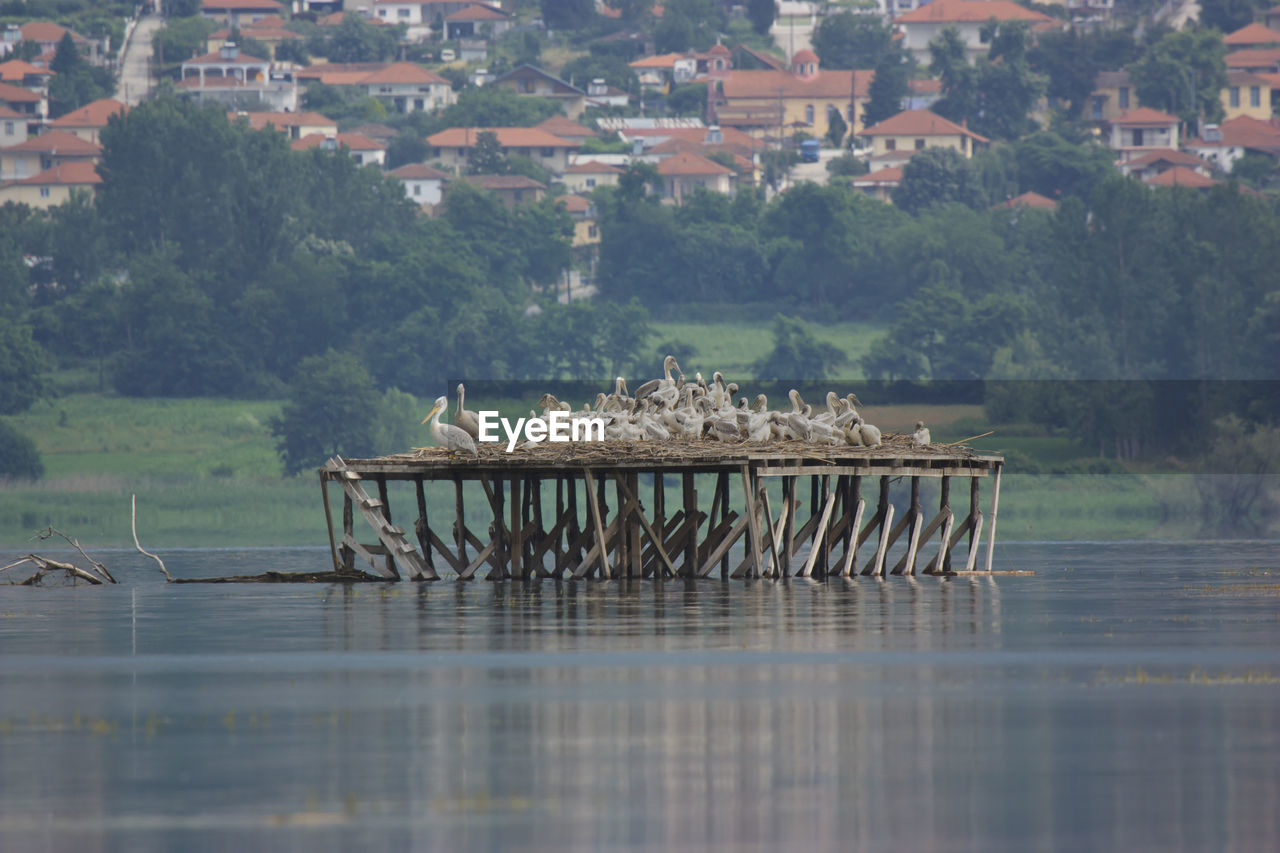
(921, 435)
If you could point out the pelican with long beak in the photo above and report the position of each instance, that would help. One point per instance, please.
(454, 438)
(464, 417)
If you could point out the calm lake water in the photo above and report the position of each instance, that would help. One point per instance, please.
(1125, 697)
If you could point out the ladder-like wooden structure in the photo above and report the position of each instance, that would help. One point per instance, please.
(834, 533)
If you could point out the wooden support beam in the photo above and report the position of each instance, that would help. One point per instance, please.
(516, 549)
(659, 510)
(485, 553)
(877, 567)
(370, 554)
(690, 486)
(789, 532)
(495, 496)
(976, 539)
(824, 549)
(386, 514)
(754, 544)
(631, 500)
(459, 521)
(722, 491)
(423, 529)
(880, 521)
(974, 512)
(818, 535)
(348, 532)
(635, 566)
(849, 565)
(774, 531)
(328, 522)
(995, 506)
(944, 546)
(594, 506)
(721, 550)
(458, 564)
(715, 533)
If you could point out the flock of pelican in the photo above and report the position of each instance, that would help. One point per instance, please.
(670, 408)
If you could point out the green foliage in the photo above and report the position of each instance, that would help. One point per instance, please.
(836, 127)
(19, 458)
(567, 14)
(1257, 170)
(688, 25)
(486, 155)
(585, 339)
(1071, 61)
(1229, 15)
(797, 354)
(354, 40)
(1183, 73)
(997, 93)
(178, 40)
(22, 365)
(181, 8)
(1053, 167)
(847, 40)
(889, 88)
(496, 106)
(333, 409)
(75, 82)
(847, 166)
(762, 14)
(614, 70)
(688, 100)
(938, 176)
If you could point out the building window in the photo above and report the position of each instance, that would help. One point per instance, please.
(382, 13)
(1096, 114)
(591, 231)
(1137, 138)
(548, 152)
(44, 192)
(402, 13)
(891, 145)
(1234, 96)
(8, 128)
(1123, 99)
(1255, 96)
(919, 144)
(417, 189)
(519, 194)
(808, 114)
(591, 182)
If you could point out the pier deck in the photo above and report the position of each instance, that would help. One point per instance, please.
(547, 512)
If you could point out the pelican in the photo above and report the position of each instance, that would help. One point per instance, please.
(452, 437)
(870, 433)
(921, 435)
(464, 417)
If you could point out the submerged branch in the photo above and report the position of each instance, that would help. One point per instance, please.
(134, 503)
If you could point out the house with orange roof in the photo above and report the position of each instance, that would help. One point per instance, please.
(1261, 59)
(13, 127)
(407, 88)
(293, 125)
(1252, 35)
(585, 177)
(1147, 166)
(53, 186)
(1030, 199)
(453, 146)
(567, 128)
(745, 162)
(43, 152)
(33, 105)
(240, 13)
(1181, 176)
(1222, 145)
(477, 20)
(232, 78)
(531, 81)
(1135, 132)
(422, 184)
(661, 72)
(922, 25)
(271, 37)
(894, 140)
(775, 104)
(1247, 93)
(685, 173)
(18, 72)
(583, 214)
(879, 184)
(88, 121)
(511, 190)
(47, 35)
(362, 149)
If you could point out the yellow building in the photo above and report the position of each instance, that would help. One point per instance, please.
(1247, 94)
(1113, 94)
(897, 138)
(762, 103)
(53, 186)
(585, 232)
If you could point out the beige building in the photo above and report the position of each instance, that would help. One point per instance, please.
(51, 187)
(453, 146)
(925, 23)
(13, 127)
(585, 177)
(293, 125)
(1138, 131)
(88, 121)
(41, 153)
(684, 173)
(897, 138)
(772, 102)
(1247, 93)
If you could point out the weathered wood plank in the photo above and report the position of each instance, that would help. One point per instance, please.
(721, 550)
(594, 506)
(655, 539)
(995, 507)
(818, 535)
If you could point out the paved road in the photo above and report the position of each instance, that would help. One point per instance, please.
(135, 78)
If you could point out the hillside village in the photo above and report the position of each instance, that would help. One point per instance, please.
(725, 118)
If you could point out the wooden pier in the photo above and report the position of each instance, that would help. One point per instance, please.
(579, 511)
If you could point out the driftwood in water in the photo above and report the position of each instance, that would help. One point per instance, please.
(45, 566)
(292, 577)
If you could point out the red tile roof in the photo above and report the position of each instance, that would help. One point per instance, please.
(280, 121)
(1180, 176)
(419, 172)
(477, 12)
(1244, 132)
(970, 12)
(5, 112)
(1241, 77)
(508, 137)
(241, 6)
(259, 32)
(574, 203)
(564, 127)
(774, 84)
(59, 142)
(47, 31)
(924, 87)
(16, 70)
(1144, 117)
(94, 114)
(354, 141)
(16, 94)
(216, 58)
(505, 182)
(592, 167)
(76, 173)
(688, 163)
(1031, 199)
(919, 123)
(891, 175)
(338, 17)
(1255, 58)
(661, 60)
(1164, 155)
(405, 73)
(1254, 33)
(730, 135)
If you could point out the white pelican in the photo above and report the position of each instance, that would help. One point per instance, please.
(447, 435)
(921, 435)
(464, 417)
(870, 433)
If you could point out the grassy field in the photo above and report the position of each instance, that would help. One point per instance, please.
(206, 472)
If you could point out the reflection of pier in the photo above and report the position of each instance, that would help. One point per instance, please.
(547, 512)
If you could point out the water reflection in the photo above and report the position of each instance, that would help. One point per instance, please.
(1057, 712)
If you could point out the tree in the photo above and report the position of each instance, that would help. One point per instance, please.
(1053, 167)
(1183, 73)
(496, 106)
(937, 176)
(19, 458)
(354, 40)
(997, 93)
(836, 127)
(1257, 170)
(178, 40)
(852, 41)
(797, 354)
(332, 410)
(75, 82)
(613, 70)
(847, 166)
(1070, 61)
(1229, 15)
(689, 99)
(486, 155)
(567, 14)
(22, 365)
(762, 14)
(889, 87)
